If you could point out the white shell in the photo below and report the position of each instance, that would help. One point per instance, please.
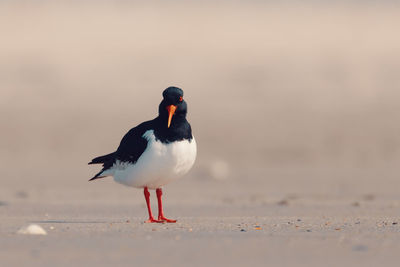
(32, 229)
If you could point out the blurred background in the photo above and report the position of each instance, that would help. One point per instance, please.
(296, 99)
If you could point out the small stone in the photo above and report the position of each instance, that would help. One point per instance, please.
(21, 194)
(308, 230)
(360, 248)
(128, 221)
(283, 202)
(299, 220)
(369, 197)
(394, 223)
(242, 230)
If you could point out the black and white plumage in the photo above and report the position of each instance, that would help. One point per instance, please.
(155, 152)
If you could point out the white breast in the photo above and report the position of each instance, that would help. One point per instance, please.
(158, 165)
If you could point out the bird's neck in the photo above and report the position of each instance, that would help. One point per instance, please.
(179, 129)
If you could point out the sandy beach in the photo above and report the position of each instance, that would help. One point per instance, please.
(296, 232)
(294, 108)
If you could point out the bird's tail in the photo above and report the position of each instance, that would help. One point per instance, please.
(107, 161)
(99, 175)
(103, 159)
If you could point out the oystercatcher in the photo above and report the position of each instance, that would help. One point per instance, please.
(155, 152)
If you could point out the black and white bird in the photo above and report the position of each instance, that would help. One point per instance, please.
(155, 152)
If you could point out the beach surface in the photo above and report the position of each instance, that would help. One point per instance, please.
(295, 110)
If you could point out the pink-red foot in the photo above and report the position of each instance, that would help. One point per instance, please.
(162, 218)
(152, 220)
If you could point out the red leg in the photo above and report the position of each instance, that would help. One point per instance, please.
(147, 197)
(161, 216)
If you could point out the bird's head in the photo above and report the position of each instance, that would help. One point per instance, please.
(173, 106)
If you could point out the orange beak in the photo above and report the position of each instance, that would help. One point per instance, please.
(171, 111)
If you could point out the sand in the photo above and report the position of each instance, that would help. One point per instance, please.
(294, 107)
(218, 225)
(102, 235)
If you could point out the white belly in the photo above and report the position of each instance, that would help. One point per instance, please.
(159, 164)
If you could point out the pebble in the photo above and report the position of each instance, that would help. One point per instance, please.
(369, 197)
(283, 202)
(360, 248)
(21, 194)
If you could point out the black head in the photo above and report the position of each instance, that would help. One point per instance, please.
(173, 107)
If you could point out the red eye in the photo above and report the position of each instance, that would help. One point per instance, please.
(180, 99)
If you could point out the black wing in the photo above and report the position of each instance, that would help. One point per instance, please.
(130, 149)
(133, 144)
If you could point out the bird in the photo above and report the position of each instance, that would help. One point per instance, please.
(154, 153)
